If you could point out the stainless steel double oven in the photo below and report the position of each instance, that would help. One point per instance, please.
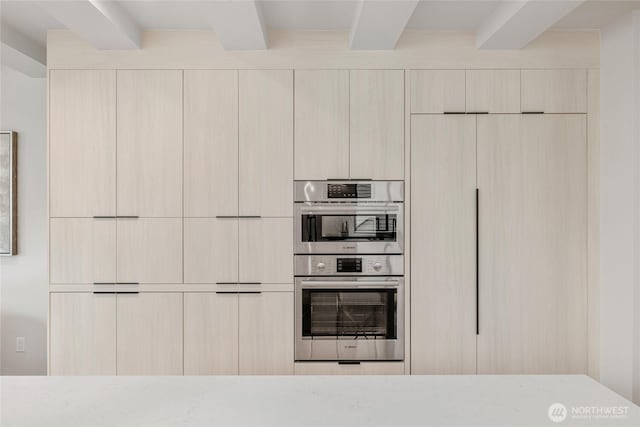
(349, 267)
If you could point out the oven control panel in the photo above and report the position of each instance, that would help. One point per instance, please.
(349, 265)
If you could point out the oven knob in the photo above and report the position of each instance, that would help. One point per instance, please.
(377, 266)
(321, 266)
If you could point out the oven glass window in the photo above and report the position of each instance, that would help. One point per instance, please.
(358, 313)
(355, 228)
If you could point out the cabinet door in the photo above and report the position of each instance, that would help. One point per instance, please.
(532, 179)
(266, 250)
(493, 91)
(443, 296)
(437, 91)
(210, 143)
(150, 334)
(150, 143)
(210, 333)
(321, 124)
(82, 250)
(377, 124)
(266, 333)
(149, 250)
(210, 250)
(554, 91)
(82, 143)
(82, 334)
(266, 142)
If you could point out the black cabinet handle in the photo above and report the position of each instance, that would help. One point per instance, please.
(226, 216)
(104, 216)
(249, 292)
(226, 283)
(477, 112)
(533, 112)
(127, 292)
(104, 283)
(348, 362)
(249, 217)
(127, 283)
(226, 292)
(455, 112)
(477, 261)
(249, 283)
(103, 292)
(128, 216)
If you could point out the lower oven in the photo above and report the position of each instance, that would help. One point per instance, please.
(349, 318)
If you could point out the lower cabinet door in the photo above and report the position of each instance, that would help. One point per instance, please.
(82, 334)
(150, 333)
(266, 333)
(210, 333)
(335, 368)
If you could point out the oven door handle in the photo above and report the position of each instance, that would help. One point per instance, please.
(357, 210)
(335, 284)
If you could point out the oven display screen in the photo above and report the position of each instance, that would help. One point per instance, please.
(349, 191)
(349, 265)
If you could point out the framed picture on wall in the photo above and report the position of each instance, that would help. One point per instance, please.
(8, 193)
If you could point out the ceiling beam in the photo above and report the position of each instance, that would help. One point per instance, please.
(21, 53)
(239, 25)
(102, 23)
(514, 24)
(378, 24)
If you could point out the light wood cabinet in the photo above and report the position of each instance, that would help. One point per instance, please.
(266, 250)
(321, 124)
(82, 143)
(266, 333)
(150, 334)
(493, 91)
(210, 250)
(554, 91)
(82, 250)
(82, 334)
(210, 143)
(376, 112)
(149, 158)
(532, 179)
(443, 277)
(149, 250)
(210, 333)
(266, 142)
(364, 368)
(437, 91)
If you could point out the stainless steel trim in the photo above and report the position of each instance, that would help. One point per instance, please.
(311, 284)
(316, 191)
(327, 265)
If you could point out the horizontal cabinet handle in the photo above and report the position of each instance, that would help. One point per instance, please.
(348, 362)
(227, 292)
(477, 112)
(104, 216)
(455, 112)
(349, 179)
(249, 283)
(249, 217)
(128, 216)
(226, 216)
(249, 292)
(226, 283)
(104, 283)
(533, 112)
(127, 283)
(103, 292)
(128, 292)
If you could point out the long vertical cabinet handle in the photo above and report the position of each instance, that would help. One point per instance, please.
(477, 261)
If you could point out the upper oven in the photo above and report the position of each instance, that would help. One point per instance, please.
(334, 217)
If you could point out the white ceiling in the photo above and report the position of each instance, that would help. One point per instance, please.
(33, 21)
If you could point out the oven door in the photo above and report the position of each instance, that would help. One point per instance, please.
(349, 318)
(323, 228)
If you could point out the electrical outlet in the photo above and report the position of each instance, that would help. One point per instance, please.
(19, 344)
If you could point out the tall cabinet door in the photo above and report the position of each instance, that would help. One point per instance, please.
(82, 334)
(532, 179)
(377, 124)
(82, 143)
(150, 334)
(321, 124)
(443, 176)
(210, 333)
(210, 143)
(266, 333)
(266, 142)
(150, 143)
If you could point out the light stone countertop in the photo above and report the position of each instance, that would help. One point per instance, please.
(394, 401)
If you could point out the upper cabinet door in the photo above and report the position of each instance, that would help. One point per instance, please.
(82, 250)
(377, 124)
(554, 91)
(150, 143)
(437, 91)
(532, 175)
(82, 143)
(321, 124)
(210, 143)
(266, 142)
(493, 91)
